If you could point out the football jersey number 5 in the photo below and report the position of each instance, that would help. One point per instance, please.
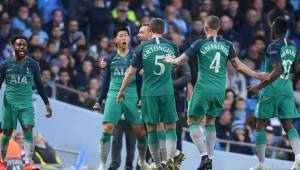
(215, 64)
(158, 62)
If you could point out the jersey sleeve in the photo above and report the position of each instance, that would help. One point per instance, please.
(193, 49)
(105, 84)
(274, 55)
(137, 58)
(232, 52)
(39, 84)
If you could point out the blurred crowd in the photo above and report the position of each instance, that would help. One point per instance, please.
(68, 38)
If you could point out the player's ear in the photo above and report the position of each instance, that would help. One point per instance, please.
(128, 37)
(205, 28)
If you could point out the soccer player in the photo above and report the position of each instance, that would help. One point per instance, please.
(115, 71)
(144, 35)
(277, 97)
(158, 103)
(19, 73)
(208, 95)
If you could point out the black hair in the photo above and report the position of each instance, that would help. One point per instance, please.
(50, 42)
(63, 70)
(22, 6)
(71, 19)
(119, 29)
(281, 25)
(18, 36)
(55, 10)
(100, 37)
(259, 38)
(36, 48)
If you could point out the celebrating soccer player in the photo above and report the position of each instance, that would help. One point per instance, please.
(158, 103)
(19, 73)
(208, 95)
(277, 97)
(115, 71)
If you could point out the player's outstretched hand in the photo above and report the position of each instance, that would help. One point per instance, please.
(263, 76)
(120, 96)
(253, 90)
(169, 59)
(97, 106)
(49, 111)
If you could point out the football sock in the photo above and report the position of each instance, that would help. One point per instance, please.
(154, 147)
(28, 146)
(4, 146)
(294, 140)
(198, 138)
(142, 147)
(162, 145)
(104, 147)
(210, 139)
(261, 138)
(171, 143)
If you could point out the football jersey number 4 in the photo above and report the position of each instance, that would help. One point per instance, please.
(215, 64)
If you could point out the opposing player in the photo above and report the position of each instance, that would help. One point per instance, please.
(208, 95)
(158, 103)
(277, 96)
(115, 71)
(19, 74)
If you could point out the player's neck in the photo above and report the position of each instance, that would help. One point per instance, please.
(154, 35)
(213, 34)
(19, 59)
(123, 52)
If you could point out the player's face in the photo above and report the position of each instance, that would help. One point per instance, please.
(144, 33)
(122, 39)
(20, 47)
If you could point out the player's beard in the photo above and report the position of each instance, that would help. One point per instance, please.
(20, 54)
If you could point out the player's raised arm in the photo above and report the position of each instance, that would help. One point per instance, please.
(131, 71)
(241, 67)
(40, 88)
(177, 61)
(184, 57)
(277, 71)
